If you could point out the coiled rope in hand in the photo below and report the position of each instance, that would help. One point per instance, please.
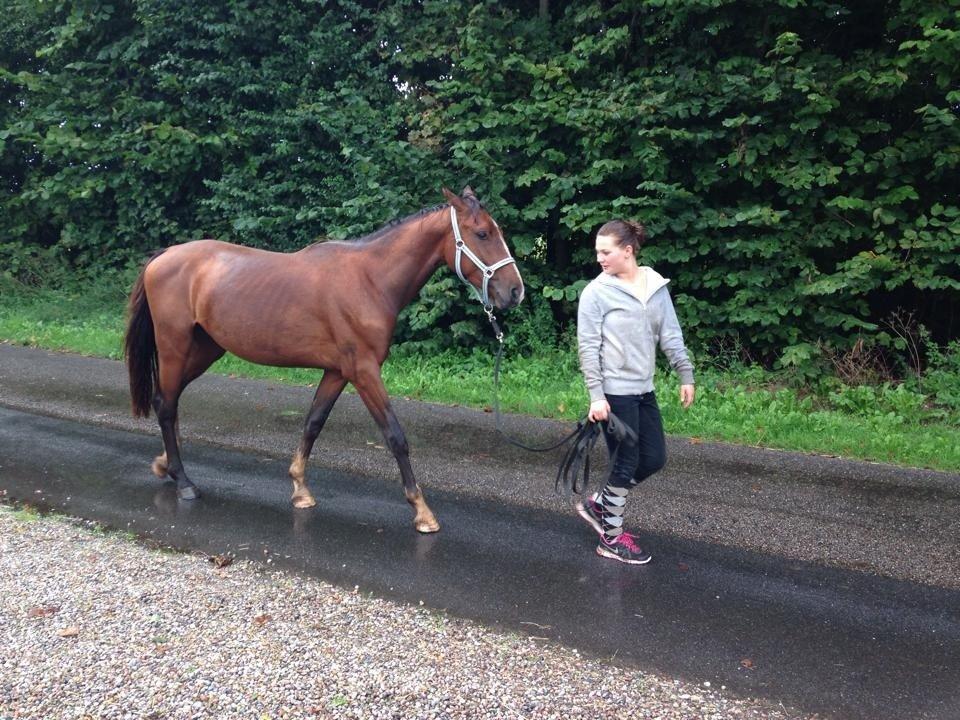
(576, 461)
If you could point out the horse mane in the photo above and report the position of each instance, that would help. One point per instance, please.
(396, 222)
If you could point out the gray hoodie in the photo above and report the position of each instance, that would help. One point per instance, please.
(618, 333)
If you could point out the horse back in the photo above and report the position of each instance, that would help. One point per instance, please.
(289, 309)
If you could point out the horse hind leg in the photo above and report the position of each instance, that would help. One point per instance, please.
(165, 406)
(160, 462)
(329, 389)
(178, 366)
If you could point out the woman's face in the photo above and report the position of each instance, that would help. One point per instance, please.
(614, 259)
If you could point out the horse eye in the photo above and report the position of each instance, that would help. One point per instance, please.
(482, 234)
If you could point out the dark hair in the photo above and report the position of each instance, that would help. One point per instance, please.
(627, 232)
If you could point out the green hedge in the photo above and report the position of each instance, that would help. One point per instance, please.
(795, 162)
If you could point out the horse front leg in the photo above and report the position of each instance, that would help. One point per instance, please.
(370, 387)
(329, 389)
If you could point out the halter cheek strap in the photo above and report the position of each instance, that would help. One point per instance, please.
(488, 270)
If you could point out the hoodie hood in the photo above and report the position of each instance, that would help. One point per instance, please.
(652, 281)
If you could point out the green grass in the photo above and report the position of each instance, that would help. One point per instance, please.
(90, 323)
(24, 514)
(780, 419)
(733, 407)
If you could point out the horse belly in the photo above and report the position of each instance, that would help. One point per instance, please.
(265, 323)
(276, 336)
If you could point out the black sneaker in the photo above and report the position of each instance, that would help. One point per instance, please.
(623, 548)
(589, 510)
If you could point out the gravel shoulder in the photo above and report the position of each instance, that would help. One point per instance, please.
(97, 625)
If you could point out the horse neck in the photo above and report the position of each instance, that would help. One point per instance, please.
(403, 259)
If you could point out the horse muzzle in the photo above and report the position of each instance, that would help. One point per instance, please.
(507, 292)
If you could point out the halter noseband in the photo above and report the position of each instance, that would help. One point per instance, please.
(488, 270)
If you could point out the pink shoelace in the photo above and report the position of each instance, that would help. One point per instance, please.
(628, 541)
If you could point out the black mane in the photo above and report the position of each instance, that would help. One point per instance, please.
(397, 222)
(363, 239)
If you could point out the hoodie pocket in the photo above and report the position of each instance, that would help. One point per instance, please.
(612, 357)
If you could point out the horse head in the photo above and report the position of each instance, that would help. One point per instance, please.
(488, 266)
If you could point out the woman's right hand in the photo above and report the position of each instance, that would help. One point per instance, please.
(599, 410)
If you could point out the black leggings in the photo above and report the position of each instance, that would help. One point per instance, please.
(637, 462)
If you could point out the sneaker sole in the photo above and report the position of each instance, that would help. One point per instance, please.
(582, 512)
(603, 552)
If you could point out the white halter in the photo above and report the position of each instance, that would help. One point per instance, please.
(488, 270)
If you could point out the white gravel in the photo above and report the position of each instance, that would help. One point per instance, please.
(96, 625)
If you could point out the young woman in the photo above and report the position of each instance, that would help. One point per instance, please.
(624, 315)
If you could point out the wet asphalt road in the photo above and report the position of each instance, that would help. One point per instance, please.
(825, 633)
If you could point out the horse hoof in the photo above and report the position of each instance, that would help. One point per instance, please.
(303, 501)
(428, 527)
(188, 492)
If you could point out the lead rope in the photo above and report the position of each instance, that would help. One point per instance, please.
(585, 435)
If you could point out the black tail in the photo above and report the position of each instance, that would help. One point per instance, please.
(140, 348)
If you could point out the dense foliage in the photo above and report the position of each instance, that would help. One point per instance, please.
(796, 161)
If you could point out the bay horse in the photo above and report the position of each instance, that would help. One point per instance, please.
(331, 306)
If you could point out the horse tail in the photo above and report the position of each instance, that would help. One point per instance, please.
(140, 347)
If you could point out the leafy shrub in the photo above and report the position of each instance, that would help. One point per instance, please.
(795, 166)
(941, 379)
(894, 402)
(23, 267)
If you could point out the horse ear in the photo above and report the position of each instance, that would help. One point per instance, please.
(472, 201)
(454, 200)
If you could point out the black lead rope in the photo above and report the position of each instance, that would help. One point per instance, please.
(584, 436)
(578, 454)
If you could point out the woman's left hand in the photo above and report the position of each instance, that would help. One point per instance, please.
(687, 393)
